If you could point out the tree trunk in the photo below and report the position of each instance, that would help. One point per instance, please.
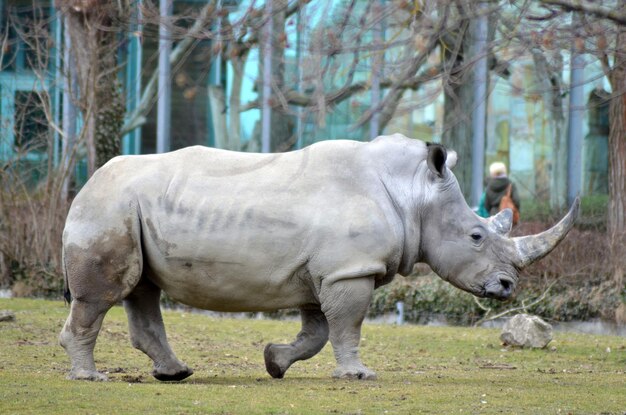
(109, 120)
(617, 164)
(83, 49)
(217, 101)
(282, 124)
(551, 87)
(234, 128)
(458, 102)
(101, 101)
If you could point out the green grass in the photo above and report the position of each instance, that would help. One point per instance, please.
(441, 370)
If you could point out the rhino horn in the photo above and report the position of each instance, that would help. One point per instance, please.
(502, 222)
(532, 248)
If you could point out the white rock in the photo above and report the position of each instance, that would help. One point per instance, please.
(526, 331)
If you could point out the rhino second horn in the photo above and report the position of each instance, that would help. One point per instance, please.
(502, 222)
(532, 248)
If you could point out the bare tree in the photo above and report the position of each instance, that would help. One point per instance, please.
(617, 154)
(535, 38)
(603, 34)
(31, 209)
(92, 26)
(339, 50)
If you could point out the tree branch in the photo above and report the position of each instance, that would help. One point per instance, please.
(589, 8)
(523, 307)
(197, 32)
(252, 19)
(299, 99)
(138, 116)
(388, 105)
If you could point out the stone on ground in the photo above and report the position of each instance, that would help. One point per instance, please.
(6, 315)
(525, 330)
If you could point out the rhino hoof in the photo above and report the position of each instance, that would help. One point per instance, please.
(273, 368)
(83, 374)
(361, 374)
(169, 377)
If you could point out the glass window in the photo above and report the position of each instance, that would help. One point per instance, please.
(30, 124)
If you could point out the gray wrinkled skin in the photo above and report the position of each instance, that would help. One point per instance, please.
(318, 229)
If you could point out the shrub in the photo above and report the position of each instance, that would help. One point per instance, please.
(31, 224)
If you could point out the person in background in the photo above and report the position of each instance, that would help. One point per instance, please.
(497, 186)
(481, 210)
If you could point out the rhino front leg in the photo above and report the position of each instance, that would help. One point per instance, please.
(345, 304)
(147, 332)
(308, 343)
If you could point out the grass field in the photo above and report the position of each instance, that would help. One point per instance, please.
(442, 370)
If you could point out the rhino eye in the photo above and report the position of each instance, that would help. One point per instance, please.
(476, 237)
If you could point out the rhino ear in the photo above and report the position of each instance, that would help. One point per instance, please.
(436, 160)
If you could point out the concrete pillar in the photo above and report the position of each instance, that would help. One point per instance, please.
(479, 111)
(164, 103)
(266, 109)
(576, 116)
(69, 114)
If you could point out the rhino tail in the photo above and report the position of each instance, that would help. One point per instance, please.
(66, 290)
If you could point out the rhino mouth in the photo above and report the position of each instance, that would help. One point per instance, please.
(499, 287)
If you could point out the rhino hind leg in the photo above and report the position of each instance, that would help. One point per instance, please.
(97, 277)
(102, 265)
(311, 339)
(78, 338)
(147, 332)
(345, 303)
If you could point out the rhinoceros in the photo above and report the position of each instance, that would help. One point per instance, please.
(317, 229)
